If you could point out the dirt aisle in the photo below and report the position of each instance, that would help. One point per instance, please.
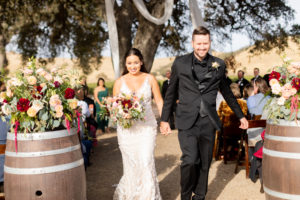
(106, 171)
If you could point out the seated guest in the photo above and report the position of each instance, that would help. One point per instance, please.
(230, 131)
(248, 91)
(225, 113)
(257, 102)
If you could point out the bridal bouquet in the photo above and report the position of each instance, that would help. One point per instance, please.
(39, 100)
(285, 90)
(123, 110)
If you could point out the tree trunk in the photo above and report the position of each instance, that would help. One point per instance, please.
(3, 59)
(148, 35)
(124, 20)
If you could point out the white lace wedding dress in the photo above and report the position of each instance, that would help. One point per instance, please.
(139, 180)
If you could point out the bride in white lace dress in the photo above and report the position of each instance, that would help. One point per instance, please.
(139, 180)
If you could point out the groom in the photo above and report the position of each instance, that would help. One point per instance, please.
(196, 79)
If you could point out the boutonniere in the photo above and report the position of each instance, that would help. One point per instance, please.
(215, 65)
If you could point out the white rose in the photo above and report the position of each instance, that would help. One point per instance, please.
(6, 109)
(276, 89)
(37, 105)
(273, 82)
(48, 77)
(27, 71)
(54, 100)
(31, 80)
(281, 101)
(39, 70)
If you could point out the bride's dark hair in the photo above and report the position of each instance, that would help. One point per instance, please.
(135, 52)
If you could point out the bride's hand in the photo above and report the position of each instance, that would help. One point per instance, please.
(165, 128)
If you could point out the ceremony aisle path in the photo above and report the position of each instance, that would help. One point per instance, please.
(106, 171)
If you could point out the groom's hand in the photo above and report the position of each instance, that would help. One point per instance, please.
(244, 123)
(165, 128)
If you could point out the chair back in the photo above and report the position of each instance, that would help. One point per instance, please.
(257, 123)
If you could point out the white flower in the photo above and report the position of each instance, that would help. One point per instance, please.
(48, 77)
(31, 80)
(9, 92)
(58, 79)
(37, 105)
(16, 82)
(276, 89)
(215, 65)
(54, 100)
(281, 101)
(6, 109)
(273, 82)
(27, 71)
(287, 59)
(39, 70)
(31, 112)
(53, 70)
(73, 103)
(59, 108)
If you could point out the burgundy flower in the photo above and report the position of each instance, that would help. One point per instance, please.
(38, 89)
(296, 83)
(5, 101)
(127, 103)
(23, 104)
(275, 75)
(56, 84)
(69, 93)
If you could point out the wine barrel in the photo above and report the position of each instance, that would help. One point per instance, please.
(48, 165)
(281, 161)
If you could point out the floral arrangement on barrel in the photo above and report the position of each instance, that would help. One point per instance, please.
(123, 110)
(285, 90)
(39, 100)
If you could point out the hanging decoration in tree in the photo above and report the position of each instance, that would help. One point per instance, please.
(196, 16)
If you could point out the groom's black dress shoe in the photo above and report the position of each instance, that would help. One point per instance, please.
(197, 197)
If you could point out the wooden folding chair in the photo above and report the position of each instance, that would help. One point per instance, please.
(244, 137)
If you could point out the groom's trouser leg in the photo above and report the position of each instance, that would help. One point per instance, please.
(193, 173)
(206, 144)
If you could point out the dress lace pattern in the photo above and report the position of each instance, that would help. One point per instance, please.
(139, 180)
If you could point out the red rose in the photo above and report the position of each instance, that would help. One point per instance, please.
(69, 93)
(275, 75)
(5, 101)
(23, 105)
(296, 83)
(56, 84)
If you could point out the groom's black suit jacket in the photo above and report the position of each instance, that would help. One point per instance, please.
(197, 99)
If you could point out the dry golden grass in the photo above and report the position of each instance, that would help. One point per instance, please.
(246, 61)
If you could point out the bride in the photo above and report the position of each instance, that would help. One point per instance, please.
(139, 180)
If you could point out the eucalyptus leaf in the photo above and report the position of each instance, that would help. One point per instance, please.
(56, 123)
(45, 116)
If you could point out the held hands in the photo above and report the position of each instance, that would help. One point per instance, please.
(244, 123)
(165, 128)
